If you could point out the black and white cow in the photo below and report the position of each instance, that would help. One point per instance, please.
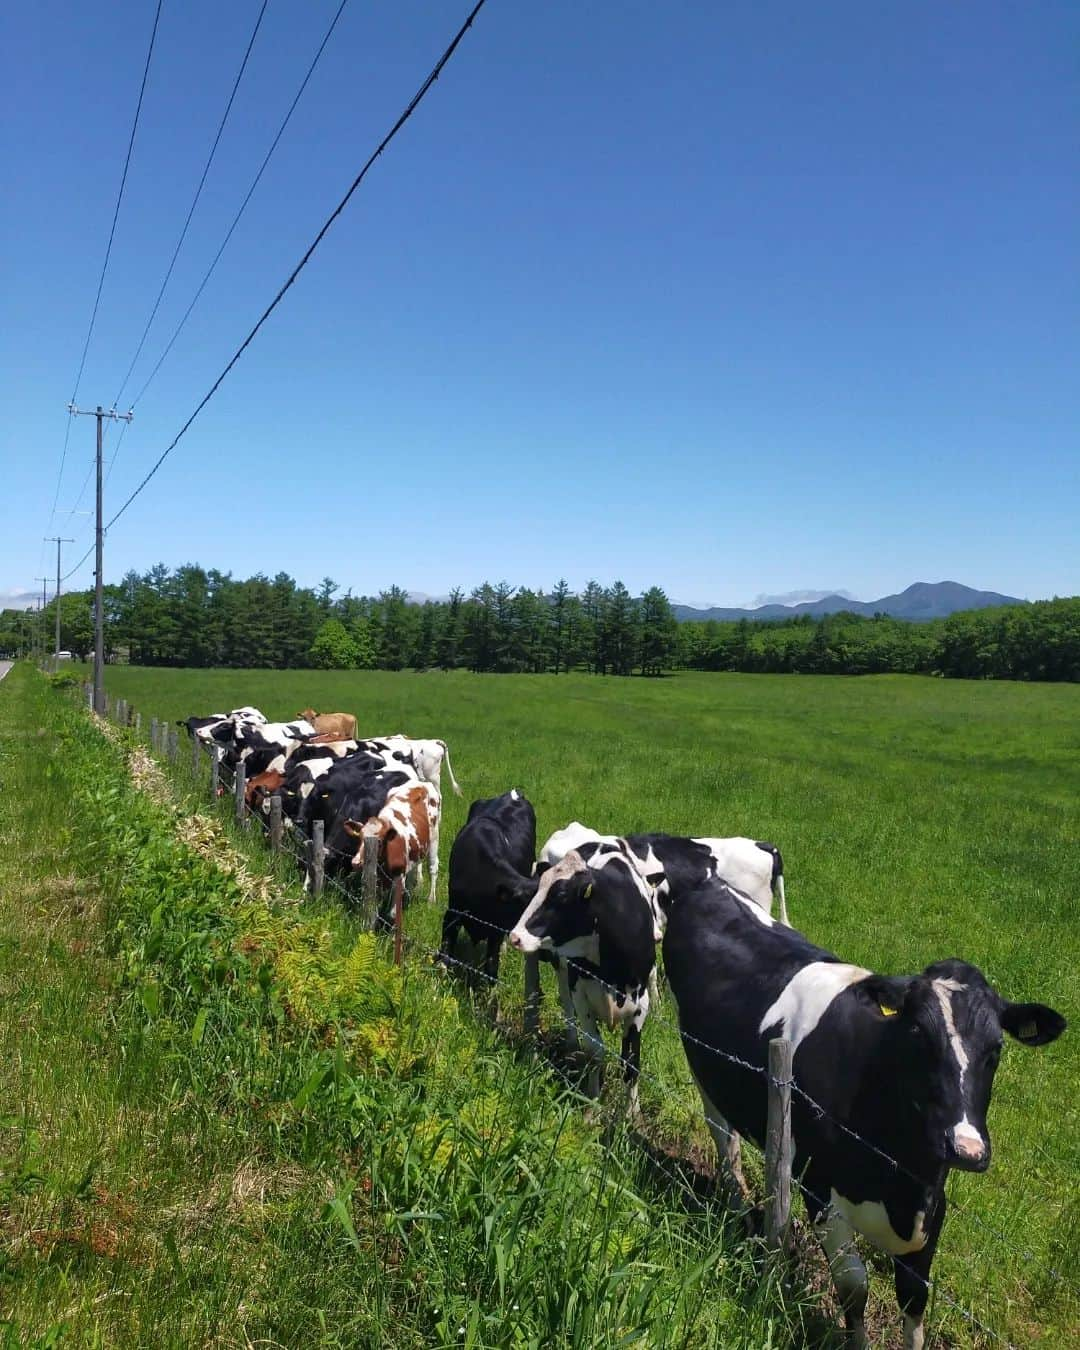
(491, 863)
(904, 1062)
(426, 757)
(675, 863)
(219, 729)
(595, 912)
(257, 746)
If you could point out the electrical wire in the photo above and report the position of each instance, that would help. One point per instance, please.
(194, 201)
(402, 119)
(108, 253)
(243, 206)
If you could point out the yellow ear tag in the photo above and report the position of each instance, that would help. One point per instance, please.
(587, 891)
(888, 1012)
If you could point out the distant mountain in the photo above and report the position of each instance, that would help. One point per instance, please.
(923, 600)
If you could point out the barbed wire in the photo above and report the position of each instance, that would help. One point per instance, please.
(444, 959)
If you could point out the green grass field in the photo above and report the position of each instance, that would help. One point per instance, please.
(918, 819)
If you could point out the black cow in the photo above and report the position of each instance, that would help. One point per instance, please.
(595, 911)
(905, 1062)
(490, 879)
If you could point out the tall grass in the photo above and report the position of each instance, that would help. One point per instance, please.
(918, 819)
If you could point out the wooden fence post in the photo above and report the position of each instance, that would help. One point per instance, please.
(153, 734)
(778, 1146)
(399, 895)
(369, 887)
(195, 743)
(215, 774)
(532, 994)
(172, 744)
(318, 857)
(121, 712)
(239, 783)
(275, 822)
(136, 722)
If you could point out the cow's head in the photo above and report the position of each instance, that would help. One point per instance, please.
(308, 714)
(946, 1027)
(261, 788)
(559, 914)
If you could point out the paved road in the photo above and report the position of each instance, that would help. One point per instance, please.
(5, 666)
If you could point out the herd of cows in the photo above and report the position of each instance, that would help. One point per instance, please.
(892, 1074)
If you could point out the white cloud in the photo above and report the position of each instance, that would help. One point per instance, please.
(12, 599)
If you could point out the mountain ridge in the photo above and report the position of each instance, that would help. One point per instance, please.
(921, 601)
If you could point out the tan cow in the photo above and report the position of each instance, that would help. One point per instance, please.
(341, 726)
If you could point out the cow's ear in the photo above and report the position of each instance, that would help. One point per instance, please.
(884, 995)
(1032, 1023)
(353, 827)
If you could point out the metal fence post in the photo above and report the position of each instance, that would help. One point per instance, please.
(778, 1146)
(532, 994)
(275, 822)
(239, 784)
(318, 857)
(399, 907)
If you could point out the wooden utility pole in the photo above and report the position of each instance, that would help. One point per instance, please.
(50, 539)
(41, 622)
(99, 609)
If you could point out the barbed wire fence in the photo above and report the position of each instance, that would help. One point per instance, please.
(209, 775)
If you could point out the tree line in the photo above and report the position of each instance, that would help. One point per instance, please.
(191, 616)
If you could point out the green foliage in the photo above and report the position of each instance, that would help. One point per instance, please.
(334, 648)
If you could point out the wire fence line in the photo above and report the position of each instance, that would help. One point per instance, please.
(225, 779)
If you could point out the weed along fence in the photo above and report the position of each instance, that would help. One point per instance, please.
(379, 900)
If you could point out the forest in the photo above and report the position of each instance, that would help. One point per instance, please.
(196, 617)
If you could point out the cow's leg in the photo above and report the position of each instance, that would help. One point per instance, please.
(728, 1152)
(594, 1042)
(911, 1274)
(562, 974)
(837, 1238)
(631, 1055)
(433, 865)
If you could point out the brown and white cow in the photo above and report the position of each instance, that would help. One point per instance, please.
(339, 726)
(407, 828)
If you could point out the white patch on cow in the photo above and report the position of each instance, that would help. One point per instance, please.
(515, 796)
(806, 998)
(740, 863)
(568, 839)
(914, 1335)
(969, 1142)
(871, 1218)
(753, 908)
(944, 989)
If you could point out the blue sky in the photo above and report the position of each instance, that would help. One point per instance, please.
(735, 299)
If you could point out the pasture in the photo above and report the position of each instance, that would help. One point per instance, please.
(918, 819)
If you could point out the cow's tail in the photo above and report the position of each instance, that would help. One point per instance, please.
(450, 769)
(777, 882)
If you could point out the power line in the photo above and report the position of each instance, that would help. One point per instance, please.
(194, 201)
(108, 252)
(402, 119)
(243, 207)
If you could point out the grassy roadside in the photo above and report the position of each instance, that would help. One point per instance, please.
(226, 1121)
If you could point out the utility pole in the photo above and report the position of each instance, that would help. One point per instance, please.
(41, 610)
(55, 538)
(99, 608)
